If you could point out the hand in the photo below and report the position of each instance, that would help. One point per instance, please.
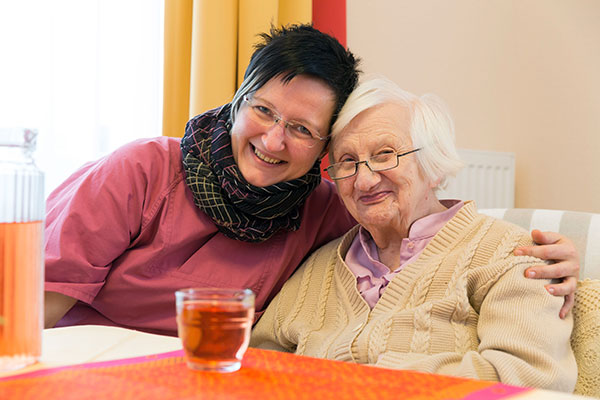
(56, 305)
(561, 250)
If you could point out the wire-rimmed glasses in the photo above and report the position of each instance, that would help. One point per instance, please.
(376, 163)
(267, 117)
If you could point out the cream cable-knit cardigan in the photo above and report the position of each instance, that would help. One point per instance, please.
(462, 308)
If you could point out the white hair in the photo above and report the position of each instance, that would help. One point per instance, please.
(431, 126)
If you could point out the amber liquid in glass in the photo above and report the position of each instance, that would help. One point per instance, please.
(214, 336)
(21, 294)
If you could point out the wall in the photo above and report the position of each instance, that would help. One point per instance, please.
(518, 75)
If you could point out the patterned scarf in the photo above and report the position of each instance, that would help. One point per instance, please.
(240, 210)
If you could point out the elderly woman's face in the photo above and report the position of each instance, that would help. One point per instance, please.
(267, 154)
(385, 200)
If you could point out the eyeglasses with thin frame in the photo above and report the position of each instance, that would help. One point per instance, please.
(376, 163)
(267, 117)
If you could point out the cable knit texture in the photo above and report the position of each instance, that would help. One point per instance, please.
(462, 308)
(586, 337)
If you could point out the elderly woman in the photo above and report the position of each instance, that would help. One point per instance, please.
(420, 283)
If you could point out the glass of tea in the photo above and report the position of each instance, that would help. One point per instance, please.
(214, 326)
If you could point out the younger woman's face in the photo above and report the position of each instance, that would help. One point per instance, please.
(267, 154)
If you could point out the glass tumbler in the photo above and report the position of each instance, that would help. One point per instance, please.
(21, 250)
(214, 326)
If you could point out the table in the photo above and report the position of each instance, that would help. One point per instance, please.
(103, 362)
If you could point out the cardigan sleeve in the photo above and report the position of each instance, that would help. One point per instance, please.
(522, 340)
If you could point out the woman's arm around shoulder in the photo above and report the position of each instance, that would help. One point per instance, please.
(325, 216)
(555, 247)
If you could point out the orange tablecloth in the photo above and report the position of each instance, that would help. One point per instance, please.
(264, 375)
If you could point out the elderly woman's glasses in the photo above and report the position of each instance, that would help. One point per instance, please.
(267, 117)
(377, 163)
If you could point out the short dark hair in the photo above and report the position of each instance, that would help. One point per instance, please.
(300, 50)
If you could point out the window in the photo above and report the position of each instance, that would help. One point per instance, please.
(87, 74)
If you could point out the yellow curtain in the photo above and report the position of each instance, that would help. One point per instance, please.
(208, 44)
(177, 53)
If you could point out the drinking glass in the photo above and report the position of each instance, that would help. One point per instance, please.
(214, 326)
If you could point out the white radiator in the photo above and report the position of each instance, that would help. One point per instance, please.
(488, 177)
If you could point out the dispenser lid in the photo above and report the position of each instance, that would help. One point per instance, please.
(18, 137)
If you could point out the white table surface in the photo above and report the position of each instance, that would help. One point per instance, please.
(90, 343)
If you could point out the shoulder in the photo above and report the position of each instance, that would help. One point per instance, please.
(472, 228)
(324, 207)
(325, 192)
(150, 150)
(329, 252)
(501, 230)
(494, 258)
(319, 266)
(153, 159)
(139, 168)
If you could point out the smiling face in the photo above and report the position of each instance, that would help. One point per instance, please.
(386, 203)
(266, 154)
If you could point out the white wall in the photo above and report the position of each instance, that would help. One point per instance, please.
(518, 75)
